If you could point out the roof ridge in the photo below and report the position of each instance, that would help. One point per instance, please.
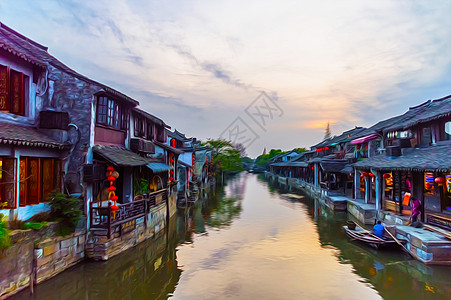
(9, 29)
(441, 99)
(420, 105)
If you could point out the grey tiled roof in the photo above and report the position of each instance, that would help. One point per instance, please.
(26, 136)
(121, 156)
(34, 53)
(434, 158)
(430, 110)
(344, 137)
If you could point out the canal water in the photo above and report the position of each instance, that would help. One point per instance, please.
(251, 240)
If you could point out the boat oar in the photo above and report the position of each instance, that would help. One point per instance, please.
(370, 233)
(398, 242)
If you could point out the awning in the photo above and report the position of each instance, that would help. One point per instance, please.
(301, 164)
(331, 166)
(347, 169)
(364, 139)
(120, 156)
(158, 167)
(184, 164)
(168, 148)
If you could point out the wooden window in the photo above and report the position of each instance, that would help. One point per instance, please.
(7, 183)
(48, 177)
(102, 104)
(446, 131)
(12, 90)
(4, 88)
(150, 131)
(136, 126)
(38, 178)
(111, 113)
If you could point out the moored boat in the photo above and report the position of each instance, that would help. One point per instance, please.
(368, 238)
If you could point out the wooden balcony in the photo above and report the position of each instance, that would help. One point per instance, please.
(104, 218)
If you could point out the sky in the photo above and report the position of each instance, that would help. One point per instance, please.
(203, 66)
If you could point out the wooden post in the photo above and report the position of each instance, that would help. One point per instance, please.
(145, 212)
(316, 176)
(378, 176)
(356, 184)
(109, 220)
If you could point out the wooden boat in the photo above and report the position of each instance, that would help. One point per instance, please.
(368, 238)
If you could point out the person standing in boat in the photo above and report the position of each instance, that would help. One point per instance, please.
(378, 229)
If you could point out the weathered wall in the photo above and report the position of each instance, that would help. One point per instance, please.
(18, 263)
(56, 254)
(103, 248)
(75, 96)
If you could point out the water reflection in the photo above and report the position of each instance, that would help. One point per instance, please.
(247, 240)
(392, 273)
(148, 271)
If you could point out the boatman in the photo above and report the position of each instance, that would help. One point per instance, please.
(378, 229)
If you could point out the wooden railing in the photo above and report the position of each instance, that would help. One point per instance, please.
(104, 218)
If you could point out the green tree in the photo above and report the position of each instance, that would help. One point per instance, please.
(262, 160)
(225, 156)
(299, 150)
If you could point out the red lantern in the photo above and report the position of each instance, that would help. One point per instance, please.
(439, 180)
(364, 174)
(110, 169)
(111, 178)
(114, 198)
(371, 175)
(111, 189)
(428, 186)
(386, 175)
(114, 207)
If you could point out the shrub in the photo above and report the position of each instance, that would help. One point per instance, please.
(5, 240)
(67, 211)
(33, 225)
(40, 217)
(15, 223)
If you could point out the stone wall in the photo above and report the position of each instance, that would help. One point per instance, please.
(54, 255)
(100, 247)
(36, 255)
(16, 263)
(428, 247)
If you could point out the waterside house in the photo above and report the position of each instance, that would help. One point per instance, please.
(62, 131)
(372, 172)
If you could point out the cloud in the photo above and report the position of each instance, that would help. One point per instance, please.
(198, 66)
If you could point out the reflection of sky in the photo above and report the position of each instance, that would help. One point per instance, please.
(270, 252)
(202, 62)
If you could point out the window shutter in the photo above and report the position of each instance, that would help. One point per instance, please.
(23, 182)
(8, 181)
(48, 180)
(33, 181)
(17, 93)
(4, 88)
